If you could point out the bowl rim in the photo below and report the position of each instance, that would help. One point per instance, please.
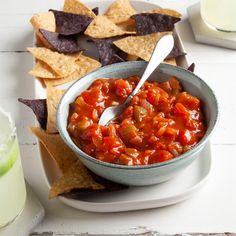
(82, 154)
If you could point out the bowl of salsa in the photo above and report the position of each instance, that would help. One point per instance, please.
(165, 126)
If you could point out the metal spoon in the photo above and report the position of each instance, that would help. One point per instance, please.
(161, 51)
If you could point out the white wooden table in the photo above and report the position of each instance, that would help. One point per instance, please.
(213, 209)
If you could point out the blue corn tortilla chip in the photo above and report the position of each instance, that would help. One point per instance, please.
(176, 52)
(95, 11)
(70, 23)
(191, 67)
(39, 107)
(148, 23)
(108, 53)
(60, 43)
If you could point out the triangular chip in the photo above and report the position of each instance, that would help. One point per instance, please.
(107, 51)
(77, 7)
(56, 147)
(120, 11)
(95, 10)
(140, 46)
(84, 65)
(53, 97)
(170, 61)
(191, 67)
(175, 52)
(165, 11)
(61, 43)
(42, 70)
(63, 65)
(148, 23)
(39, 107)
(45, 20)
(77, 177)
(102, 27)
(70, 23)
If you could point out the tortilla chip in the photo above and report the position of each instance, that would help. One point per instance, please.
(102, 27)
(39, 42)
(148, 23)
(128, 25)
(61, 43)
(84, 65)
(165, 11)
(191, 67)
(42, 70)
(131, 58)
(120, 11)
(175, 52)
(45, 20)
(106, 50)
(95, 10)
(70, 23)
(170, 61)
(77, 7)
(56, 147)
(53, 97)
(39, 107)
(77, 177)
(140, 46)
(63, 65)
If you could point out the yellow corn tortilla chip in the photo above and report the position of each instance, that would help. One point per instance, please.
(102, 27)
(62, 64)
(44, 20)
(171, 61)
(76, 177)
(131, 58)
(77, 7)
(165, 11)
(84, 65)
(128, 25)
(53, 97)
(120, 11)
(42, 70)
(58, 150)
(140, 46)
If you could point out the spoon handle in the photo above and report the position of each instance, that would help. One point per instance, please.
(161, 51)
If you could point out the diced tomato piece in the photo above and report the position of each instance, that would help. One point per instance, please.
(93, 130)
(180, 110)
(160, 156)
(171, 133)
(153, 96)
(189, 101)
(93, 97)
(122, 88)
(186, 137)
(112, 145)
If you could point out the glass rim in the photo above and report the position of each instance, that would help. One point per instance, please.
(12, 132)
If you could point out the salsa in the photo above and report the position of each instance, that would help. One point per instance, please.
(161, 122)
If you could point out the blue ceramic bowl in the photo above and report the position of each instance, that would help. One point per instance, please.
(149, 174)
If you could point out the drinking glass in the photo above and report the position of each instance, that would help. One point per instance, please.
(12, 184)
(219, 14)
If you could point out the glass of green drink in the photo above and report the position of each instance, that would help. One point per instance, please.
(12, 184)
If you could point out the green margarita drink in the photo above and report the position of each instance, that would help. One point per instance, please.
(12, 185)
